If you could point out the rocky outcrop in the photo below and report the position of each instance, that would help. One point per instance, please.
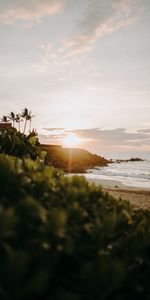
(133, 159)
(72, 160)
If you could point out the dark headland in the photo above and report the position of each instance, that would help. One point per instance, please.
(75, 160)
(72, 160)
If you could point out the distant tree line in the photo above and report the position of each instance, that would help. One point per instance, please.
(16, 119)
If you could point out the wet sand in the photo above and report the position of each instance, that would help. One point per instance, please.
(138, 197)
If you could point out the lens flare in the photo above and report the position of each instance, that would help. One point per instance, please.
(71, 140)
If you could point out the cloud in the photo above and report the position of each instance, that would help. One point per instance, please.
(102, 18)
(46, 139)
(54, 136)
(54, 129)
(116, 136)
(51, 139)
(51, 57)
(145, 131)
(55, 132)
(30, 11)
(97, 19)
(54, 61)
(98, 139)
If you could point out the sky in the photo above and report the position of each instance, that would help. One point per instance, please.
(82, 67)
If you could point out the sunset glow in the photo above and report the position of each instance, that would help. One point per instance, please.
(71, 140)
(82, 68)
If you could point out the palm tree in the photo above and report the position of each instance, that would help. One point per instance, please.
(12, 117)
(30, 120)
(28, 117)
(4, 119)
(18, 119)
(25, 115)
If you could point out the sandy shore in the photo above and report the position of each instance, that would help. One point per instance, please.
(139, 198)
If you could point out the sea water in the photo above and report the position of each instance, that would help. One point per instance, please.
(133, 174)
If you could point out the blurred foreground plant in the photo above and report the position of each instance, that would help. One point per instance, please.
(63, 239)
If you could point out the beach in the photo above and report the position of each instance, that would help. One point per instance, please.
(138, 197)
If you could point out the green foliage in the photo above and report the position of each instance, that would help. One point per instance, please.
(15, 143)
(63, 239)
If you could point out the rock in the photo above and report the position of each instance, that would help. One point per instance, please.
(133, 159)
(72, 160)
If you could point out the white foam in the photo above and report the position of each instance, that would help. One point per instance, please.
(134, 174)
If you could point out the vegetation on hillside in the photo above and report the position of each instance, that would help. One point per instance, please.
(64, 239)
(15, 143)
(72, 160)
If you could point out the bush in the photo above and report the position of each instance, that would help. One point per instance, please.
(15, 143)
(63, 239)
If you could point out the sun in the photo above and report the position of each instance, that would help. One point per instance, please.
(71, 140)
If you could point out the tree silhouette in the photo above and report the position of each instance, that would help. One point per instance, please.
(18, 120)
(30, 117)
(12, 117)
(4, 119)
(26, 116)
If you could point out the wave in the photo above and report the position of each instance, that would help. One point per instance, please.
(132, 173)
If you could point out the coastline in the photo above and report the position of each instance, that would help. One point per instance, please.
(106, 183)
(138, 197)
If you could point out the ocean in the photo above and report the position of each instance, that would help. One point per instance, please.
(133, 174)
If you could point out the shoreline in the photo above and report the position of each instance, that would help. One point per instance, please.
(138, 197)
(107, 183)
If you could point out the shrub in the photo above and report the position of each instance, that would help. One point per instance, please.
(15, 143)
(63, 239)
